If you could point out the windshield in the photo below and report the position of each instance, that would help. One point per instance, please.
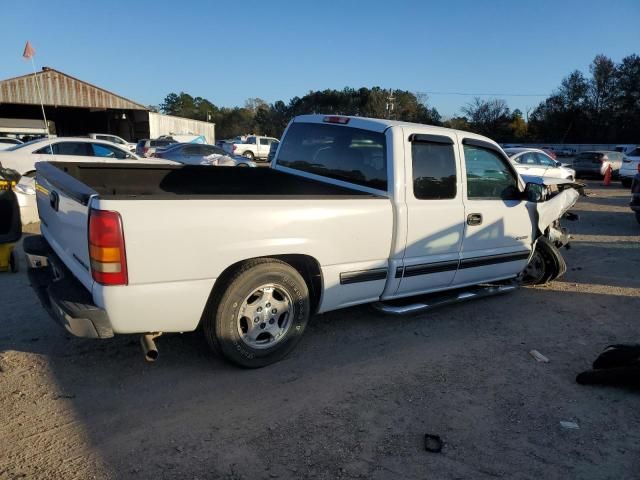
(349, 154)
(22, 145)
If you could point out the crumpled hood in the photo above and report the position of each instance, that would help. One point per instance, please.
(554, 208)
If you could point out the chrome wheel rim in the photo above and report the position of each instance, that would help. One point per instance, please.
(265, 316)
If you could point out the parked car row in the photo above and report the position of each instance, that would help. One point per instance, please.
(23, 157)
(201, 154)
(597, 162)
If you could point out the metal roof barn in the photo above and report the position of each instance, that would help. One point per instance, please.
(75, 107)
(61, 90)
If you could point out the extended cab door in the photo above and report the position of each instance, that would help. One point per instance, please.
(498, 227)
(264, 144)
(435, 214)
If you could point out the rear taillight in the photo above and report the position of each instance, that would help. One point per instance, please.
(233, 148)
(106, 248)
(145, 149)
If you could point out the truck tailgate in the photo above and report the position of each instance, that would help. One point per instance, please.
(63, 207)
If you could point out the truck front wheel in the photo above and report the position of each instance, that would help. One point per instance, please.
(546, 264)
(260, 316)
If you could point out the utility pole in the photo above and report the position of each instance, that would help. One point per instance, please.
(391, 106)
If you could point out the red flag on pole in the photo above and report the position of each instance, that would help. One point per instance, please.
(28, 51)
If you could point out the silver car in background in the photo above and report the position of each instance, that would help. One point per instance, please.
(534, 161)
(201, 154)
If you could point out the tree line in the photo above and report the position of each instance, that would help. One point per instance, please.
(602, 106)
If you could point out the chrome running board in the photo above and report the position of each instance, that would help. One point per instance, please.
(429, 302)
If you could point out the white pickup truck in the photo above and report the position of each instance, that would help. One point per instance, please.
(353, 211)
(254, 147)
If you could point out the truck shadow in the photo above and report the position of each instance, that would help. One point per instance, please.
(191, 414)
(190, 401)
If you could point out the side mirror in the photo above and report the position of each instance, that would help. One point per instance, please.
(558, 164)
(534, 192)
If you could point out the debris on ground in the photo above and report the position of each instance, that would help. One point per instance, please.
(569, 425)
(538, 356)
(432, 443)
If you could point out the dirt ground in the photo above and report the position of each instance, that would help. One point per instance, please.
(356, 397)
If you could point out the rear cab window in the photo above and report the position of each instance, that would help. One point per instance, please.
(342, 153)
(434, 169)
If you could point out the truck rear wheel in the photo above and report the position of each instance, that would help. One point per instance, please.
(261, 316)
(248, 154)
(546, 264)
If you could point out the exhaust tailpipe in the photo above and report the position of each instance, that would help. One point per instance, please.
(149, 347)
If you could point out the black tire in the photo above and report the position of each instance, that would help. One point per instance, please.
(549, 262)
(14, 262)
(626, 182)
(248, 154)
(221, 322)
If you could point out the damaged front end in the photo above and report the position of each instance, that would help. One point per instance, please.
(549, 201)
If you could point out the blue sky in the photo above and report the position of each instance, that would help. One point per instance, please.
(232, 50)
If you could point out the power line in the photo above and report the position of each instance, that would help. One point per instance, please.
(467, 94)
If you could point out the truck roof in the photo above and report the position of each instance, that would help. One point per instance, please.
(381, 124)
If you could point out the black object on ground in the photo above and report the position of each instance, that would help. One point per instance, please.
(616, 365)
(432, 443)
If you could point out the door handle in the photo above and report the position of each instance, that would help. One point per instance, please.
(474, 219)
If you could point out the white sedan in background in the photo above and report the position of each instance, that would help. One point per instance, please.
(533, 161)
(8, 142)
(23, 158)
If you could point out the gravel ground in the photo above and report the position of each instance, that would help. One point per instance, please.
(356, 397)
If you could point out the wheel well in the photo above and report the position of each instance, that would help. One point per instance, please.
(306, 265)
(310, 270)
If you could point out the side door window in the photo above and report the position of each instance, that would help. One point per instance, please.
(73, 148)
(193, 151)
(211, 150)
(251, 141)
(527, 159)
(488, 175)
(264, 145)
(107, 151)
(544, 161)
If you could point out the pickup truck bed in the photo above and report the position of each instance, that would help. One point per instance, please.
(177, 249)
(152, 182)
